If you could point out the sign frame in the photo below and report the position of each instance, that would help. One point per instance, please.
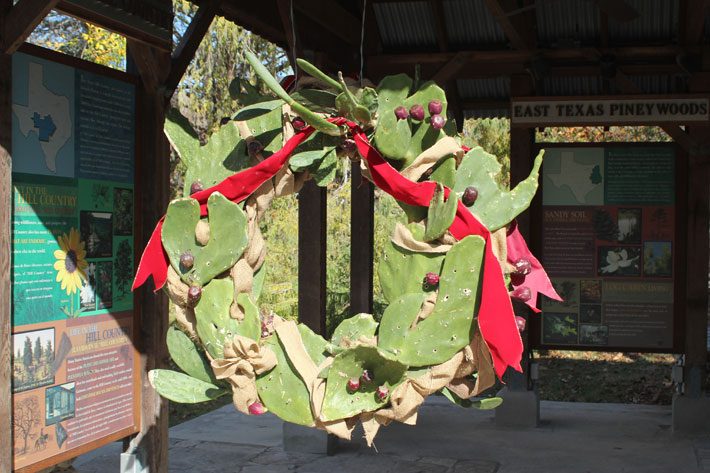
(136, 344)
(605, 120)
(679, 253)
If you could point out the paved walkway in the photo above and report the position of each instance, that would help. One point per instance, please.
(573, 438)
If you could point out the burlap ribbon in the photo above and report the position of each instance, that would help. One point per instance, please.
(430, 156)
(243, 359)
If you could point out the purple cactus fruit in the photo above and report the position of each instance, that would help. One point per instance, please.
(437, 122)
(348, 146)
(435, 107)
(470, 194)
(298, 123)
(520, 322)
(521, 293)
(193, 295)
(523, 266)
(255, 147)
(187, 260)
(257, 409)
(196, 187)
(431, 279)
(417, 112)
(382, 393)
(366, 377)
(353, 385)
(401, 113)
(517, 279)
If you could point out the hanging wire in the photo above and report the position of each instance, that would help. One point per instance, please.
(362, 42)
(294, 65)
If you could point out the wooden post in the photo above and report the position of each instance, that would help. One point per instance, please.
(153, 183)
(5, 249)
(312, 225)
(696, 267)
(521, 150)
(362, 237)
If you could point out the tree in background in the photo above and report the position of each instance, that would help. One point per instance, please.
(38, 352)
(27, 353)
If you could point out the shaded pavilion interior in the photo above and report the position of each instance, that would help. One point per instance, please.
(484, 52)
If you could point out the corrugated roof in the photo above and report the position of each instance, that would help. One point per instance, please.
(406, 25)
(492, 88)
(469, 23)
(657, 84)
(572, 85)
(657, 21)
(566, 23)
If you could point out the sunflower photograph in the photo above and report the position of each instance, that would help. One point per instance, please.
(70, 262)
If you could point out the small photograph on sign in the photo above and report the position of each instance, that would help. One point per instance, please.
(33, 358)
(97, 232)
(629, 223)
(559, 328)
(593, 334)
(104, 275)
(59, 403)
(590, 290)
(26, 423)
(618, 261)
(658, 223)
(605, 226)
(590, 314)
(88, 291)
(123, 211)
(568, 289)
(657, 259)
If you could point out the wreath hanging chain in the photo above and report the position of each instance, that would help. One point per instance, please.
(447, 275)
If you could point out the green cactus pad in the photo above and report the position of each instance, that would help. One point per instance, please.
(214, 323)
(339, 403)
(250, 325)
(397, 320)
(445, 172)
(441, 214)
(222, 155)
(282, 391)
(228, 237)
(357, 326)
(316, 346)
(179, 387)
(402, 271)
(258, 109)
(257, 284)
(484, 404)
(187, 356)
(449, 327)
(495, 207)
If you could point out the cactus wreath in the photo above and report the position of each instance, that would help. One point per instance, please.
(448, 275)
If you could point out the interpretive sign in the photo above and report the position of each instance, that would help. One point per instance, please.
(74, 364)
(608, 244)
(640, 110)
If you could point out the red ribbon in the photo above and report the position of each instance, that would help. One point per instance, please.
(495, 317)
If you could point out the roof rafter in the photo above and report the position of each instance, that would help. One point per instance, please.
(332, 17)
(516, 29)
(21, 20)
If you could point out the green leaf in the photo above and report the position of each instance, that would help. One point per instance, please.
(179, 387)
(185, 353)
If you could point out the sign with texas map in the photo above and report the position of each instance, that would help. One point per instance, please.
(608, 244)
(74, 365)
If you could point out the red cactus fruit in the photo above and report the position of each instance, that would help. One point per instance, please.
(435, 107)
(193, 295)
(187, 260)
(470, 194)
(382, 393)
(257, 409)
(417, 112)
(523, 266)
(521, 293)
(401, 113)
(520, 322)
(431, 279)
(196, 187)
(437, 122)
(353, 384)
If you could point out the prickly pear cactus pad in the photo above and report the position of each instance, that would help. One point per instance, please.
(449, 327)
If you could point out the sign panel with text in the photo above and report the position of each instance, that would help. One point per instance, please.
(609, 246)
(74, 363)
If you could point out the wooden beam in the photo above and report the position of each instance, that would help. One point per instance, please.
(362, 231)
(331, 17)
(145, 61)
(153, 180)
(453, 66)
(692, 21)
(442, 39)
(518, 39)
(21, 20)
(312, 254)
(6, 431)
(190, 41)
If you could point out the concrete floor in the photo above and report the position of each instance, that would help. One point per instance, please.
(573, 438)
